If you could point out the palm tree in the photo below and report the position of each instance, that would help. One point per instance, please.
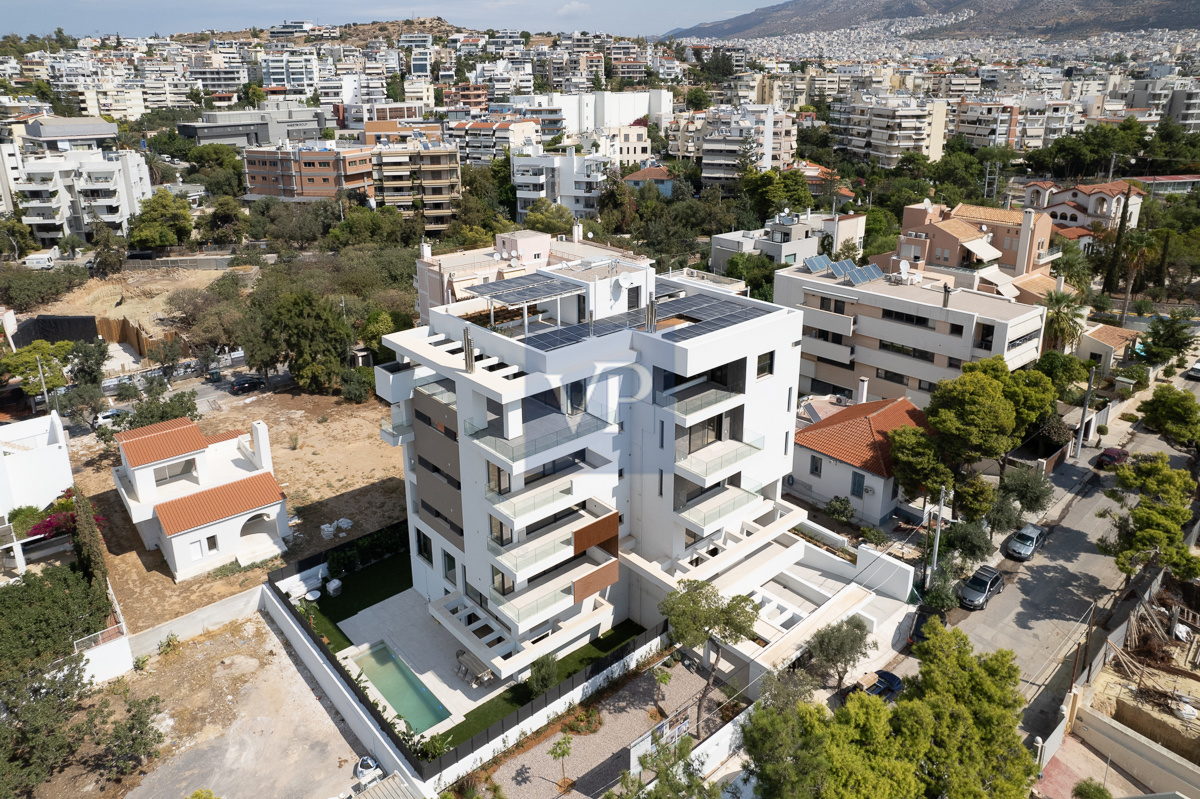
(1074, 267)
(1064, 323)
(155, 166)
(127, 140)
(1139, 246)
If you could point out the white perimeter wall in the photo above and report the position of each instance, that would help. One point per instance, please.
(1152, 765)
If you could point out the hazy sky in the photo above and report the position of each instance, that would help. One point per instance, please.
(145, 17)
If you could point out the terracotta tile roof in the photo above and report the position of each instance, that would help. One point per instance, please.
(217, 438)
(214, 504)
(858, 434)
(1002, 216)
(1041, 285)
(1113, 189)
(1115, 337)
(959, 229)
(158, 442)
(1042, 184)
(649, 173)
(1074, 232)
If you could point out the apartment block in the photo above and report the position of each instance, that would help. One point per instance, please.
(789, 238)
(472, 95)
(309, 172)
(418, 177)
(61, 193)
(902, 333)
(768, 134)
(578, 440)
(570, 180)
(270, 123)
(480, 142)
(298, 71)
(445, 279)
(884, 128)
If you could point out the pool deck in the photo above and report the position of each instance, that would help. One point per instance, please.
(404, 624)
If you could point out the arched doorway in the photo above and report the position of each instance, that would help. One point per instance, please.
(259, 539)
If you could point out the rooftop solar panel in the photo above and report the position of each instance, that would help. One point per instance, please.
(526, 289)
(857, 277)
(875, 272)
(838, 269)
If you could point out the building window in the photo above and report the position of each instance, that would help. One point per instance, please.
(660, 482)
(766, 364)
(662, 433)
(310, 164)
(925, 385)
(502, 584)
(906, 318)
(789, 401)
(956, 330)
(449, 567)
(891, 377)
(787, 436)
(836, 306)
(501, 533)
(857, 482)
(174, 471)
(814, 466)
(210, 543)
(310, 180)
(954, 363)
(425, 547)
(911, 352)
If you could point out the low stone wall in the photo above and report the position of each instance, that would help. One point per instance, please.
(1144, 722)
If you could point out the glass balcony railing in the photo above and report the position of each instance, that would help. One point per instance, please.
(569, 428)
(706, 511)
(523, 556)
(529, 500)
(694, 403)
(396, 429)
(527, 607)
(722, 454)
(442, 391)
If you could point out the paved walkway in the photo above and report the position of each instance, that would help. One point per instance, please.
(597, 760)
(1075, 761)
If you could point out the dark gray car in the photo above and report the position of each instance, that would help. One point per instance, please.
(980, 587)
(1026, 541)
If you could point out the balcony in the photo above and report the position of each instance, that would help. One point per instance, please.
(695, 398)
(395, 381)
(707, 511)
(556, 591)
(517, 505)
(544, 429)
(394, 432)
(842, 353)
(706, 465)
(1049, 255)
(827, 320)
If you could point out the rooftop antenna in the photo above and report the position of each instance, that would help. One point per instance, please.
(904, 267)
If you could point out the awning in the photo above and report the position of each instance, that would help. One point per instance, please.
(1007, 291)
(981, 248)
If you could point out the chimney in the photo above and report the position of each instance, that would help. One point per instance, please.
(426, 251)
(577, 232)
(1059, 285)
(945, 295)
(1025, 243)
(468, 351)
(261, 443)
(862, 390)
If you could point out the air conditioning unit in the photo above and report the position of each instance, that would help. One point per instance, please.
(868, 490)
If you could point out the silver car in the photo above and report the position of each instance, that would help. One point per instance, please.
(980, 587)
(1026, 541)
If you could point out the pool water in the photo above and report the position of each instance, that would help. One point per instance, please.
(403, 690)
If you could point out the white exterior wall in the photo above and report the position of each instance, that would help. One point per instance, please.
(37, 475)
(873, 507)
(188, 560)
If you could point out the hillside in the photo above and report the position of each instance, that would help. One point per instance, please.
(1054, 18)
(358, 34)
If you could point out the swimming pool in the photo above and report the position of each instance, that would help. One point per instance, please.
(403, 690)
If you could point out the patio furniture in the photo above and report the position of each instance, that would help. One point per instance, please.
(476, 669)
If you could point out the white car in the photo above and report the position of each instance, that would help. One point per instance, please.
(110, 417)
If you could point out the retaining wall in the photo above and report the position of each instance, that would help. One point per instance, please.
(209, 617)
(1155, 767)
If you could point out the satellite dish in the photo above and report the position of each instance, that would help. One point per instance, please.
(589, 234)
(983, 228)
(787, 211)
(504, 252)
(928, 205)
(904, 267)
(495, 256)
(625, 279)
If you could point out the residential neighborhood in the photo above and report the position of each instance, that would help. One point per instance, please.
(806, 402)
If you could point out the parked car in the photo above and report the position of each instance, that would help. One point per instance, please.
(1194, 372)
(883, 684)
(110, 417)
(246, 384)
(139, 255)
(980, 587)
(1112, 457)
(924, 615)
(1026, 541)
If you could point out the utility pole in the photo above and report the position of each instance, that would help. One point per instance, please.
(937, 537)
(1087, 402)
(42, 377)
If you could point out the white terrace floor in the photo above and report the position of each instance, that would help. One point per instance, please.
(404, 624)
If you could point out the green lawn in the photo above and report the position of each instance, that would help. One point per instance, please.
(360, 590)
(516, 696)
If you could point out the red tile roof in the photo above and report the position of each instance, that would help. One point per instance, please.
(215, 504)
(858, 434)
(217, 438)
(1113, 189)
(649, 173)
(1073, 232)
(160, 442)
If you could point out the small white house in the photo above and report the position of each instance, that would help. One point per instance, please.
(848, 454)
(203, 500)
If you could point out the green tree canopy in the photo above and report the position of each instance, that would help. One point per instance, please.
(1151, 531)
(165, 221)
(549, 217)
(87, 359)
(837, 648)
(23, 364)
(1174, 413)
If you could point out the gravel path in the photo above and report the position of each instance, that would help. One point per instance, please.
(597, 760)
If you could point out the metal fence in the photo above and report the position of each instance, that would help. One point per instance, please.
(110, 633)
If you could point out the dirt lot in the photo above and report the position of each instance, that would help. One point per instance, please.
(138, 296)
(339, 468)
(241, 717)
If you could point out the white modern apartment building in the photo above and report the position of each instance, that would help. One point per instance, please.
(296, 71)
(570, 180)
(66, 192)
(578, 440)
(902, 333)
(35, 462)
(885, 127)
(789, 238)
(769, 134)
(220, 80)
(1018, 122)
(448, 278)
(479, 142)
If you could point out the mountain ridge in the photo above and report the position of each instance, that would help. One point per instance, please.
(1048, 18)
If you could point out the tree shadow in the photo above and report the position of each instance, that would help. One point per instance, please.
(1072, 593)
(121, 536)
